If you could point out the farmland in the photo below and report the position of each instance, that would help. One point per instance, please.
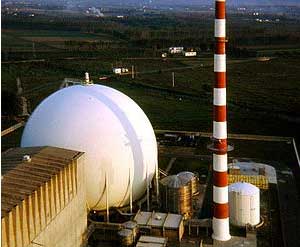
(263, 97)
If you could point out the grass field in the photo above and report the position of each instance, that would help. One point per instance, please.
(263, 97)
(260, 101)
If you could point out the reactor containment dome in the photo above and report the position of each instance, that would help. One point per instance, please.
(115, 134)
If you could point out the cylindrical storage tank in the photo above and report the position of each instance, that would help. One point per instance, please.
(125, 237)
(176, 196)
(115, 134)
(244, 204)
(189, 177)
(133, 226)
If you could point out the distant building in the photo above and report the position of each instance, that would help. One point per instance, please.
(120, 70)
(176, 50)
(164, 54)
(190, 53)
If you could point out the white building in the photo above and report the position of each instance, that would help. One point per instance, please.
(176, 50)
(120, 70)
(190, 53)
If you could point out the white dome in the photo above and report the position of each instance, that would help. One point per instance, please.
(110, 128)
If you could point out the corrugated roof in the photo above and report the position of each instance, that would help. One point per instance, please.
(21, 178)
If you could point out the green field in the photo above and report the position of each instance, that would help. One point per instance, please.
(263, 97)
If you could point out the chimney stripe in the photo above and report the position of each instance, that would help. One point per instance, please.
(220, 30)
(220, 130)
(220, 113)
(221, 227)
(220, 63)
(220, 79)
(220, 179)
(221, 211)
(220, 6)
(220, 194)
(219, 162)
(219, 96)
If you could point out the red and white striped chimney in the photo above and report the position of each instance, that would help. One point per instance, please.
(219, 147)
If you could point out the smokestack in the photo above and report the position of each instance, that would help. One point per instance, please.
(219, 146)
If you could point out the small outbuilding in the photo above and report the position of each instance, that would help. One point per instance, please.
(161, 224)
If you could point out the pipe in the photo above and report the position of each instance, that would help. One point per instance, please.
(12, 128)
(296, 151)
(220, 222)
(132, 72)
(107, 200)
(130, 190)
(148, 192)
(157, 181)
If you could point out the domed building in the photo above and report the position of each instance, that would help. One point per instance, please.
(110, 128)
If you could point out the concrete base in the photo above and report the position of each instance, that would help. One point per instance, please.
(236, 241)
(223, 238)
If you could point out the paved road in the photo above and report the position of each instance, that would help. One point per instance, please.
(230, 136)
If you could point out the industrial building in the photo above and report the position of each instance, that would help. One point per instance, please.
(43, 197)
(161, 224)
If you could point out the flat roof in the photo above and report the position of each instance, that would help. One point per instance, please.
(157, 219)
(142, 217)
(173, 221)
(142, 244)
(21, 178)
(151, 239)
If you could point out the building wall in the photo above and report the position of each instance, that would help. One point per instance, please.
(175, 234)
(53, 215)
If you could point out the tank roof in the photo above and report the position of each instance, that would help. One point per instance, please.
(186, 176)
(244, 188)
(172, 181)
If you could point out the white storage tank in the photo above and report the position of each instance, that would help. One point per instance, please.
(244, 204)
(113, 131)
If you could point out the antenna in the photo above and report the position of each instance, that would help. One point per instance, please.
(87, 78)
(173, 79)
